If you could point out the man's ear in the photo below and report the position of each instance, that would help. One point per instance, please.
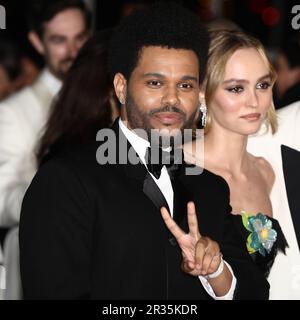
(120, 85)
(36, 42)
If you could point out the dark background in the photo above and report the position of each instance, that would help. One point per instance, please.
(269, 20)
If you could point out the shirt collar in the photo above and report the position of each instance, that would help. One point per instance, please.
(139, 144)
(52, 83)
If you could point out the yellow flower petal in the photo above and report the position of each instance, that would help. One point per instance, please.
(264, 233)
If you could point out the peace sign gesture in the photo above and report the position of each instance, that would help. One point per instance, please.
(201, 255)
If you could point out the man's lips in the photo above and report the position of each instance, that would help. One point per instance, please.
(251, 116)
(168, 118)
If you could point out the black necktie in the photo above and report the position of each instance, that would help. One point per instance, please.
(156, 158)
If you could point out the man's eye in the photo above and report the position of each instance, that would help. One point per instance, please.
(154, 83)
(186, 85)
(57, 40)
(236, 89)
(263, 85)
(82, 37)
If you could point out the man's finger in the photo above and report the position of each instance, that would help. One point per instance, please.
(216, 260)
(211, 256)
(200, 252)
(187, 266)
(207, 260)
(193, 221)
(171, 224)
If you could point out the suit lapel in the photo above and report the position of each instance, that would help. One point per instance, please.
(291, 162)
(181, 197)
(153, 192)
(138, 171)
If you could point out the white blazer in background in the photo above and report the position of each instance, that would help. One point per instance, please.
(22, 119)
(282, 150)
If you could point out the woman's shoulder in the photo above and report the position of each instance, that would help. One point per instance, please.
(265, 169)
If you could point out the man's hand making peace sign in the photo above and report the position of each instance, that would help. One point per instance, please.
(201, 255)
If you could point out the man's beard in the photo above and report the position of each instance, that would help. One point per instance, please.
(63, 67)
(138, 119)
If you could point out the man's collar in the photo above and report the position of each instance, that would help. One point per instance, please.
(51, 82)
(139, 144)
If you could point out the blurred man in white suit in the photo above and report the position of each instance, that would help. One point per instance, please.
(58, 29)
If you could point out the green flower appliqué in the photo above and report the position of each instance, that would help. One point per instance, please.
(262, 236)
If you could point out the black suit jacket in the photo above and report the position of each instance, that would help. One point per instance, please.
(90, 231)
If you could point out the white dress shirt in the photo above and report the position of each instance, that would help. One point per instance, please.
(140, 145)
(51, 82)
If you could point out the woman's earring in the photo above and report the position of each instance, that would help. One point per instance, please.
(203, 110)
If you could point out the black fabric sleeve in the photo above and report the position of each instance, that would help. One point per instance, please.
(55, 235)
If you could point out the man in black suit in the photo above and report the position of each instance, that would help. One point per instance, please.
(93, 230)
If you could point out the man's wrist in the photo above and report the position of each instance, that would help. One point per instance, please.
(217, 272)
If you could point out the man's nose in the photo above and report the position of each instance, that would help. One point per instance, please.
(73, 49)
(170, 96)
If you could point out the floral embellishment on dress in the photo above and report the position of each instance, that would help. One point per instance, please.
(262, 236)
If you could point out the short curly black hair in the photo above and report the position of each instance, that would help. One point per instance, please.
(161, 24)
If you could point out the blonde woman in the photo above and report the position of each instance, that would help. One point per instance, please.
(236, 102)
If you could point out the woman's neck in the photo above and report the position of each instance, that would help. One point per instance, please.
(227, 150)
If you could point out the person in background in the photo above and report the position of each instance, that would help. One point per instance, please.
(287, 87)
(10, 67)
(58, 29)
(282, 151)
(30, 71)
(74, 121)
(76, 118)
(17, 69)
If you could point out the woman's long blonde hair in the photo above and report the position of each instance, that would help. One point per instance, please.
(223, 44)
